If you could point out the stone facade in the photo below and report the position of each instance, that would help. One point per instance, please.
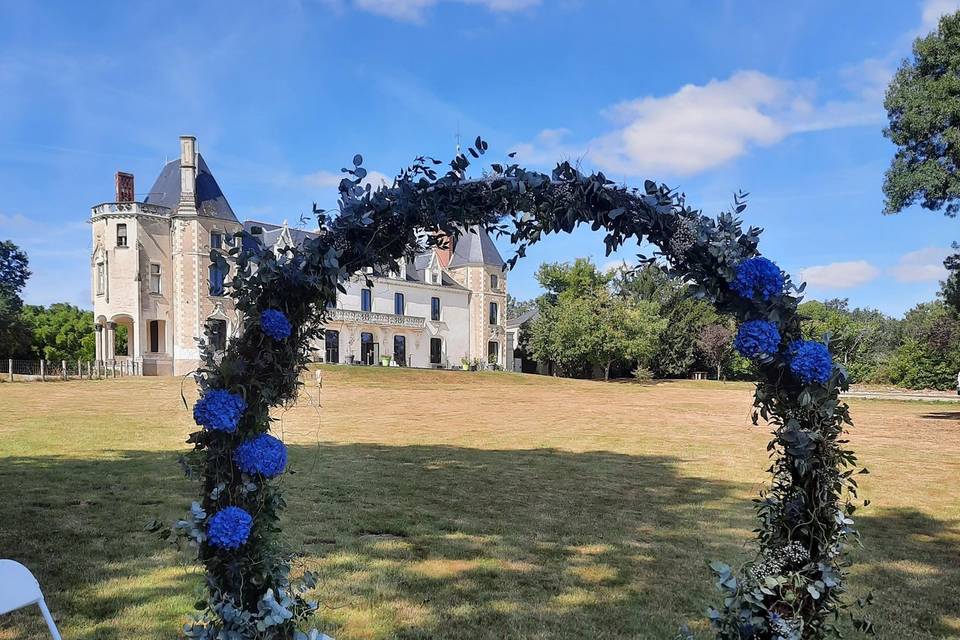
(150, 273)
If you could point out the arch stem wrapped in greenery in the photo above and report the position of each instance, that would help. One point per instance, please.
(794, 587)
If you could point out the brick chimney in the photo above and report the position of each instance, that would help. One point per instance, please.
(124, 187)
(444, 254)
(188, 175)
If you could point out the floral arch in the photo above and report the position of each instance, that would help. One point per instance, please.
(794, 587)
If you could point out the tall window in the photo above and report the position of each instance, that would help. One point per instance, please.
(217, 276)
(155, 278)
(493, 352)
(494, 281)
(494, 311)
(435, 309)
(101, 278)
(366, 300)
(436, 350)
(398, 304)
(156, 336)
(121, 235)
(216, 240)
(368, 348)
(217, 330)
(331, 340)
(400, 350)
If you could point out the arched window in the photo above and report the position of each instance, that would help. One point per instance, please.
(217, 330)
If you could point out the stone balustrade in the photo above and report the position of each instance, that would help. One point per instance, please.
(372, 317)
(129, 208)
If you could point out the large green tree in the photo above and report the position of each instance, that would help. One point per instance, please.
(14, 273)
(923, 107)
(60, 332)
(584, 322)
(676, 355)
(929, 355)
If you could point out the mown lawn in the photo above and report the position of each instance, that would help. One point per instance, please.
(459, 505)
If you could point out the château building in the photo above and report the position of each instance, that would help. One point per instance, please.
(151, 273)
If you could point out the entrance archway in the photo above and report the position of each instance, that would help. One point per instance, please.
(794, 586)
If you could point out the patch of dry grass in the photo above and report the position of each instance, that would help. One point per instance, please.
(465, 505)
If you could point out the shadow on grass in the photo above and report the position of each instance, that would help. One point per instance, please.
(444, 542)
(447, 542)
(911, 563)
(942, 415)
(410, 542)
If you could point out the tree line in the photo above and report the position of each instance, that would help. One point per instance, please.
(58, 332)
(595, 323)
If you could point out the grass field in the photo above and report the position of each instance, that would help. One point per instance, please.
(462, 505)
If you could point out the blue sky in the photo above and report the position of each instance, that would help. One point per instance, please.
(784, 101)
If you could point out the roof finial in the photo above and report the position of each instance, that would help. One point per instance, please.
(458, 137)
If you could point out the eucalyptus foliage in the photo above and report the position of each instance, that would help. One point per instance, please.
(794, 586)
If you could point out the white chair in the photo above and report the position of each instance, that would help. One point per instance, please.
(18, 589)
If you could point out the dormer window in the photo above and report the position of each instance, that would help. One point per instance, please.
(121, 235)
(436, 277)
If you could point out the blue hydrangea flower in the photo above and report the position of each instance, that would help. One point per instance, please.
(810, 361)
(275, 324)
(220, 410)
(757, 338)
(757, 278)
(264, 455)
(229, 528)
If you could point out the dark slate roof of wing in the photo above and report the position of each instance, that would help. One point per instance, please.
(523, 318)
(475, 247)
(271, 232)
(210, 199)
(417, 271)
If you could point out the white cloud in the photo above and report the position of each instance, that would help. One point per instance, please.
(415, 10)
(933, 10)
(700, 127)
(696, 128)
(839, 275)
(923, 265)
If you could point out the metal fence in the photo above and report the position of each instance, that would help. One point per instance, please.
(44, 370)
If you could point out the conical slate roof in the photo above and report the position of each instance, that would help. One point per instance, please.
(210, 199)
(475, 247)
